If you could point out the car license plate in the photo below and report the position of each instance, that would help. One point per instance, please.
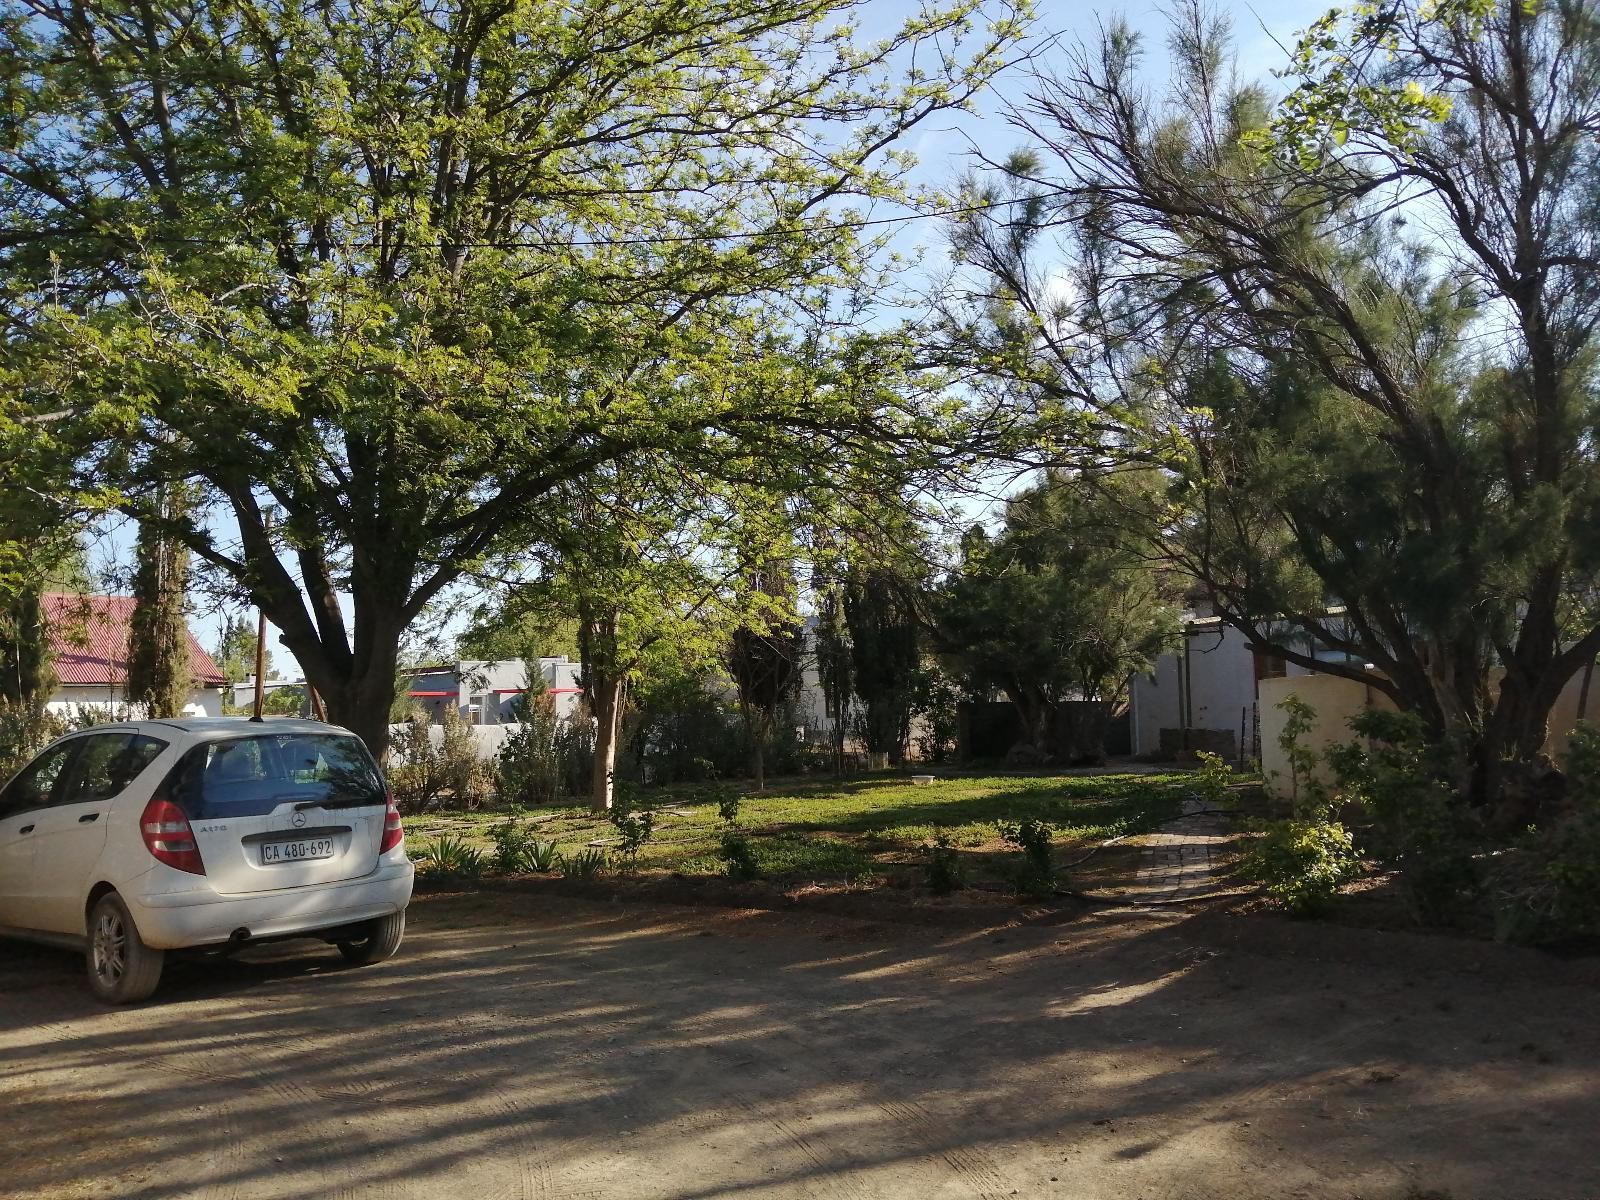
(291, 852)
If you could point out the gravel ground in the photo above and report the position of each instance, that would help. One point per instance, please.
(526, 1047)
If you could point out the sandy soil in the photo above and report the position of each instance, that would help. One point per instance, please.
(540, 1046)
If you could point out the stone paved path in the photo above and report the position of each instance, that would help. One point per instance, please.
(1181, 861)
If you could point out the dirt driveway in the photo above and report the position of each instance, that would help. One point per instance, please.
(583, 1050)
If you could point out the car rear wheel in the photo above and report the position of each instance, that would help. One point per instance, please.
(122, 969)
(382, 940)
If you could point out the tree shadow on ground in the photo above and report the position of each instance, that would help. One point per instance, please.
(579, 1049)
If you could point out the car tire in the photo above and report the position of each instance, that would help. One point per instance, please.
(122, 969)
(383, 937)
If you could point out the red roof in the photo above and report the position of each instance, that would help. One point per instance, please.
(89, 640)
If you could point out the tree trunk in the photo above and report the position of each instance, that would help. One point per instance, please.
(606, 703)
(758, 756)
(361, 703)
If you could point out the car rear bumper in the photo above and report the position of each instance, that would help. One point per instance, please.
(175, 921)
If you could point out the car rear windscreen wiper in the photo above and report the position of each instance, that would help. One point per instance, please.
(348, 802)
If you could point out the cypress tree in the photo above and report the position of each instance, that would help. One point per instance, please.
(159, 673)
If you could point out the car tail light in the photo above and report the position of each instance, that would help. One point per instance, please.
(165, 829)
(393, 834)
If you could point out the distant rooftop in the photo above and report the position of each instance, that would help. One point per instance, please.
(89, 641)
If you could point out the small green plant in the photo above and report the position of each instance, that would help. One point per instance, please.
(1307, 793)
(728, 799)
(540, 857)
(582, 864)
(634, 827)
(1036, 876)
(516, 849)
(944, 873)
(451, 854)
(1302, 864)
(1213, 782)
(738, 856)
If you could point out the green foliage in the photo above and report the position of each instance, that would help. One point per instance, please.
(24, 731)
(288, 701)
(448, 773)
(518, 849)
(1421, 825)
(1547, 887)
(738, 855)
(764, 656)
(728, 800)
(26, 677)
(683, 732)
(1303, 863)
(530, 767)
(1308, 792)
(880, 612)
(1213, 782)
(634, 826)
(235, 654)
(1036, 874)
(451, 855)
(943, 873)
(936, 702)
(160, 675)
(582, 864)
(1431, 513)
(415, 274)
(1059, 605)
(1337, 95)
(832, 654)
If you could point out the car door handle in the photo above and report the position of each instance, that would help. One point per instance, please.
(26, 829)
(87, 817)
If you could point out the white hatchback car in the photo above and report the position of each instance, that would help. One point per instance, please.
(133, 839)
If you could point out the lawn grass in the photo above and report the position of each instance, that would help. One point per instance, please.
(870, 828)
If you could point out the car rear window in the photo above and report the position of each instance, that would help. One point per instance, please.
(251, 776)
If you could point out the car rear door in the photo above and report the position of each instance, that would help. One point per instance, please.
(27, 795)
(71, 832)
(282, 810)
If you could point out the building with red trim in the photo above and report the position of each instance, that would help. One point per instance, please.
(483, 692)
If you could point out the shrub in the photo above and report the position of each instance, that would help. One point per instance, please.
(1420, 825)
(728, 799)
(427, 775)
(528, 768)
(944, 873)
(24, 731)
(634, 827)
(582, 864)
(738, 856)
(450, 854)
(516, 848)
(1307, 794)
(1214, 780)
(1302, 864)
(1548, 888)
(1036, 875)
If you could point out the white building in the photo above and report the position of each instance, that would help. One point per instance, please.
(483, 692)
(1209, 687)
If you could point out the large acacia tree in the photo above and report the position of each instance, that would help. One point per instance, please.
(400, 272)
(1361, 330)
